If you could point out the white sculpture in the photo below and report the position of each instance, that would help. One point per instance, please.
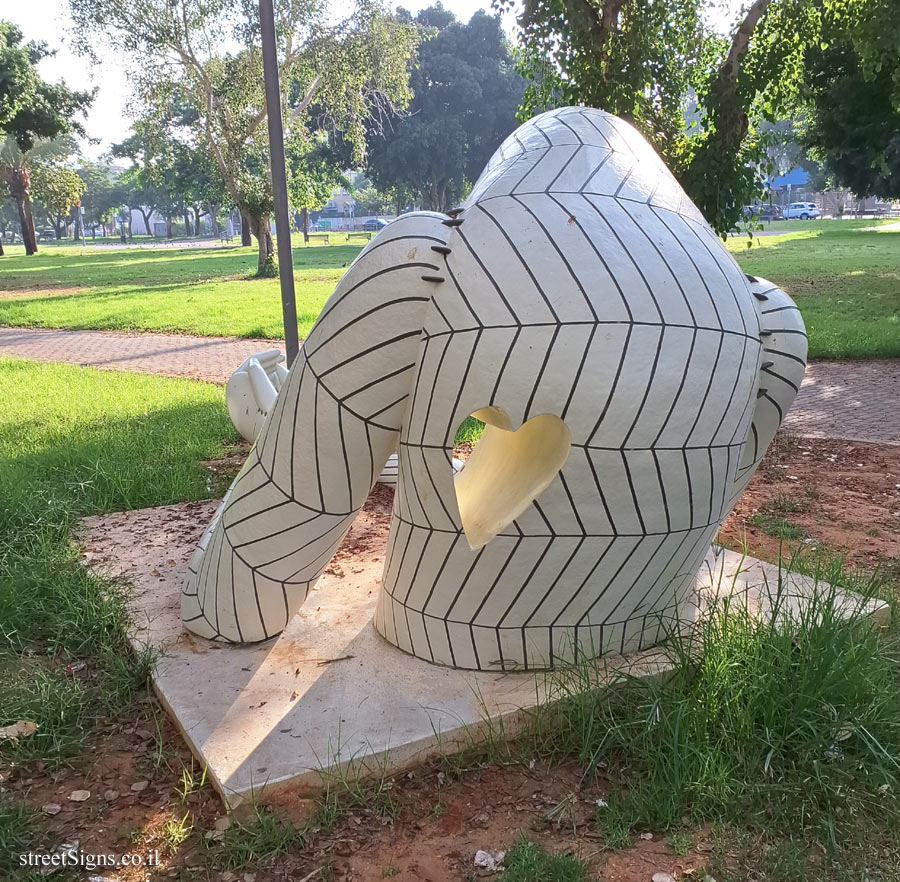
(250, 394)
(630, 376)
(252, 389)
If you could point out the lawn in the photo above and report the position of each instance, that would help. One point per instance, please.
(845, 276)
(207, 291)
(77, 441)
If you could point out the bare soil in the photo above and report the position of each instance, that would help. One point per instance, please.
(22, 293)
(840, 494)
(430, 823)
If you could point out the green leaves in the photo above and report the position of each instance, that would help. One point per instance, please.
(58, 188)
(466, 95)
(699, 98)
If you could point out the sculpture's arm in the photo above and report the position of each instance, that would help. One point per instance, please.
(333, 424)
(252, 389)
(783, 363)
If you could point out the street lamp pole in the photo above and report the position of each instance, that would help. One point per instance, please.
(279, 180)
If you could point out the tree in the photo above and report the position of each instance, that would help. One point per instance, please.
(466, 93)
(354, 67)
(199, 183)
(698, 98)
(151, 178)
(57, 188)
(41, 163)
(18, 76)
(312, 176)
(368, 199)
(31, 110)
(104, 194)
(8, 215)
(853, 91)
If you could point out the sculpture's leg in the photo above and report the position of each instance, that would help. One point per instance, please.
(334, 423)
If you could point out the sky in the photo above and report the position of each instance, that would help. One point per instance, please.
(107, 122)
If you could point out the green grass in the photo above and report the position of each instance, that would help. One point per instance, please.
(527, 861)
(255, 840)
(206, 291)
(469, 431)
(773, 525)
(76, 441)
(788, 729)
(844, 277)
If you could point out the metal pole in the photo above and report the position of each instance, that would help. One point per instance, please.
(279, 180)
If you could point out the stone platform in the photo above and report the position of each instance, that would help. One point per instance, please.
(329, 696)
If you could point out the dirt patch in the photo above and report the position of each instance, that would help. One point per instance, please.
(845, 495)
(431, 829)
(22, 293)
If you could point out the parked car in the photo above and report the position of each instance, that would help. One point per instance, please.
(374, 224)
(803, 210)
(770, 212)
(763, 212)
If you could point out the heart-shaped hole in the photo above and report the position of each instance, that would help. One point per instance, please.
(507, 470)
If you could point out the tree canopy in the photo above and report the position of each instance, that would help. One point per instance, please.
(466, 92)
(701, 99)
(208, 53)
(32, 112)
(852, 87)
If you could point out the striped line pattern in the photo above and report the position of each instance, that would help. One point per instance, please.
(334, 424)
(578, 280)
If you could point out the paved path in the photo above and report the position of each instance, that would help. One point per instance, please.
(175, 355)
(858, 400)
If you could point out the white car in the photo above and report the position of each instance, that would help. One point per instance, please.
(803, 210)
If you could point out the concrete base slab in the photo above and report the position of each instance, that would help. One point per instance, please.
(330, 696)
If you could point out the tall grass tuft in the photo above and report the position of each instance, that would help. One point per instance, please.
(779, 721)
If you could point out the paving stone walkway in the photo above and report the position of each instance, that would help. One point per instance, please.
(175, 355)
(856, 400)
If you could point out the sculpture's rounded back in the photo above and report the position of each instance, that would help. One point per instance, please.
(583, 284)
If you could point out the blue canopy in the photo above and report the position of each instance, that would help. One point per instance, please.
(795, 178)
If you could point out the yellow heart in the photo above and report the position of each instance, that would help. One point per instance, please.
(507, 470)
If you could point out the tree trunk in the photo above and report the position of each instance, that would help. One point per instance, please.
(213, 223)
(58, 226)
(146, 216)
(266, 266)
(438, 195)
(245, 230)
(304, 224)
(26, 221)
(168, 226)
(197, 221)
